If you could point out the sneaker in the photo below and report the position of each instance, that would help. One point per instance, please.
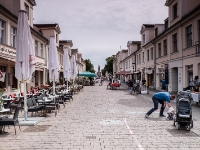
(162, 116)
(146, 116)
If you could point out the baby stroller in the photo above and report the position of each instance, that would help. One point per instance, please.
(183, 111)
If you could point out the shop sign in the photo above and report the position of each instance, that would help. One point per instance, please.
(7, 50)
(149, 71)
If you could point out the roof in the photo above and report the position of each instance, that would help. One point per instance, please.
(46, 25)
(124, 50)
(49, 26)
(148, 25)
(68, 42)
(32, 2)
(168, 2)
(79, 55)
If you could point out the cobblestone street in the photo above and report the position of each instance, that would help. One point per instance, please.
(101, 119)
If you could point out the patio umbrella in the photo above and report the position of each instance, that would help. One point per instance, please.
(66, 65)
(87, 74)
(73, 67)
(25, 54)
(53, 64)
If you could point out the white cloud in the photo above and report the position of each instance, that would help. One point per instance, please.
(99, 27)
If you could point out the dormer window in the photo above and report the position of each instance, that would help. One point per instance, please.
(27, 9)
(175, 11)
(156, 32)
(143, 38)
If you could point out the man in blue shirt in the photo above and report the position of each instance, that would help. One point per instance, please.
(162, 98)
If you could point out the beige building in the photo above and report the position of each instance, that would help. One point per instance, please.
(8, 28)
(41, 34)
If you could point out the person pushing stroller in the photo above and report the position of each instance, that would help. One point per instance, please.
(162, 98)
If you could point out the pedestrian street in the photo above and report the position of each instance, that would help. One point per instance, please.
(103, 119)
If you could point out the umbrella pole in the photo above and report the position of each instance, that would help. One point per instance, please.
(25, 103)
(54, 85)
(67, 83)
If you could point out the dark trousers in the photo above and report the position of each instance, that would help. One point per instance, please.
(156, 101)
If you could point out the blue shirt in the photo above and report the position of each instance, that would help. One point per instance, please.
(163, 96)
(163, 82)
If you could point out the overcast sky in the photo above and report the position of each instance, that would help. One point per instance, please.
(99, 27)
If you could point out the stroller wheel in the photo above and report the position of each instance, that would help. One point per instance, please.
(177, 126)
(192, 124)
(188, 127)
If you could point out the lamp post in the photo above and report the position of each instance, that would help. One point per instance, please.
(133, 65)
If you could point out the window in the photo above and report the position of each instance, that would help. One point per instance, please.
(166, 24)
(27, 9)
(56, 38)
(143, 38)
(174, 43)
(36, 48)
(2, 32)
(152, 53)
(189, 36)
(156, 32)
(165, 47)
(175, 10)
(139, 59)
(148, 55)
(198, 30)
(159, 50)
(41, 50)
(143, 57)
(13, 37)
(129, 64)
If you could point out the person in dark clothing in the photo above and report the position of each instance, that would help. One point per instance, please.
(162, 98)
(143, 81)
(130, 83)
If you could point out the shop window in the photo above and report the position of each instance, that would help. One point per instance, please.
(189, 36)
(13, 37)
(3, 84)
(2, 31)
(14, 79)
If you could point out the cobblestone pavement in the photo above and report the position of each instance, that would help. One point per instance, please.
(101, 119)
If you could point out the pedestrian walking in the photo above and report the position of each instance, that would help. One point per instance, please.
(130, 86)
(163, 88)
(162, 98)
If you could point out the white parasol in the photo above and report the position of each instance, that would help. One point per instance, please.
(53, 64)
(74, 69)
(25, 54)
(66, 65)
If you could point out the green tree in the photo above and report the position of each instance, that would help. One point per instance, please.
(109, 65)
(89, 66)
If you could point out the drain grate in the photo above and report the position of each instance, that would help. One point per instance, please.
(90, 137)
(38, 128)
(182, 133)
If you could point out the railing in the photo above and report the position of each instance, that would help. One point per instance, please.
(197, 48)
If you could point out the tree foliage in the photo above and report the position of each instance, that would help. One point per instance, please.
(89, 66)
(109, 65)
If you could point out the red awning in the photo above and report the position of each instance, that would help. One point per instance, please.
(124, 73)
